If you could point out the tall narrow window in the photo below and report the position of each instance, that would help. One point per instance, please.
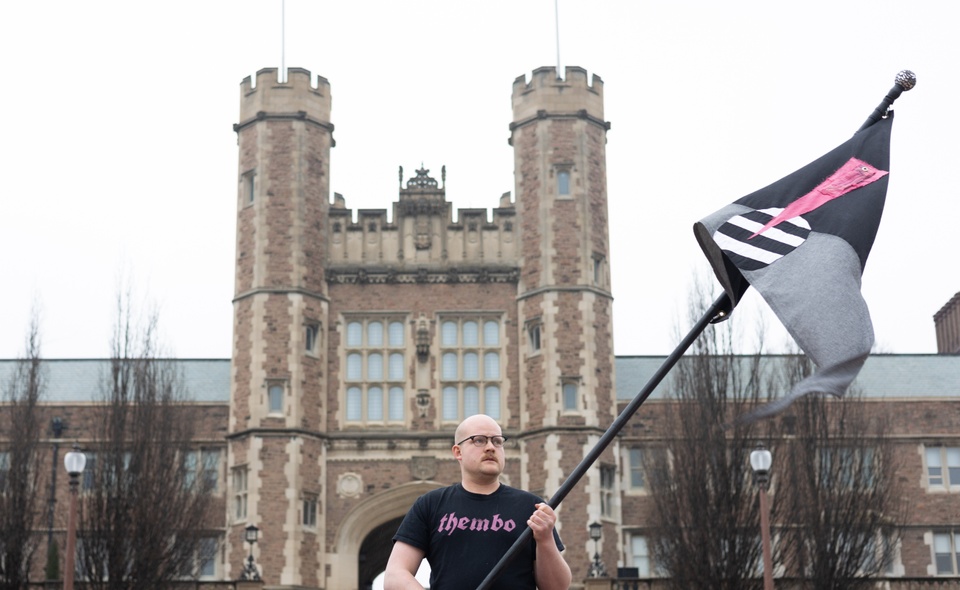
(375, 350)
(191, 459)
(608, 477)
(310, 510)
(470, 372)
(210, 468)
(248, 186)
(275, 398)
(563, 182)
(90, 471)
(636, 469)
(571, 394)
(207, 558)
(640, 555)
(597, 269)
(533, 335)
(4, 469)
(239, 478)
(311, 334)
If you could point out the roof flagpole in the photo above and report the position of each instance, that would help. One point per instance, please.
(283, 40)
(556, 20)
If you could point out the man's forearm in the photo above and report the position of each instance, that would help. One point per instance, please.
(551, 568)
(401, 580)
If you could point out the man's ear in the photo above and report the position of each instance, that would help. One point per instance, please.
(456, 452)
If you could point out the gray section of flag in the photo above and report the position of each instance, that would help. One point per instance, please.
(815, 291)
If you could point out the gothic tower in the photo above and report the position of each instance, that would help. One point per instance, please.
(564, 300)
(280, 313)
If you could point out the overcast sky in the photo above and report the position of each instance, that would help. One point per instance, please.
(118, 155)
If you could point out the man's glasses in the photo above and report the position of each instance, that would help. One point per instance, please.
(481, 440)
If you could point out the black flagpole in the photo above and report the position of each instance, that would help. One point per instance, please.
(721, 308)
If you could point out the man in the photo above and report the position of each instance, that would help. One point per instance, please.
(463, 530)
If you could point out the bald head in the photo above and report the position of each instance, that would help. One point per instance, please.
(476, 424)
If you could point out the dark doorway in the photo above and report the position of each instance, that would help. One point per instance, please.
(374, 552)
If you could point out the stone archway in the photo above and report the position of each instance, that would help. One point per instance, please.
(374, 552)
(366, 530)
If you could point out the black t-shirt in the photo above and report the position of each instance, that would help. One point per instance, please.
(464, 535)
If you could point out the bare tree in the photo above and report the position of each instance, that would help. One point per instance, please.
(705, 523)
(839, 486)
(144, 506)
(20, 460)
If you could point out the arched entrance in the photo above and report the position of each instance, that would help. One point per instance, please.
(374, 552)
(364, 537)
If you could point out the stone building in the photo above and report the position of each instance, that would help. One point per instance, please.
(361, 340)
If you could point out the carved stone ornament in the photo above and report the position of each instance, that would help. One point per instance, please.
(423, 467)
(349, 485)
(423, 241)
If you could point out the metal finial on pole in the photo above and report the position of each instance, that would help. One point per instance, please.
(904, 80)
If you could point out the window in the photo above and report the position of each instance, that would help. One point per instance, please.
(847, 468)
(597, 269)
(4, 470)
(636, 469)
(89, 471)
(945, 547)
(311, 334)
(469, 367)
(880, 555)
(275, 394)
(640, 556)
(563, 182)
(375, 350)
(248, 186)
(202, 466)
(608, 476)
(105, 470)
(571, 394)
(240, 493)
(310, 510)
(533, 335)
(943, 467)
(206, 558)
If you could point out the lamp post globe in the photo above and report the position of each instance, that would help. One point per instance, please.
(760, 460)
(251, 533)
(75, 461)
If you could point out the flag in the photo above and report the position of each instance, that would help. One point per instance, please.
(802, 243)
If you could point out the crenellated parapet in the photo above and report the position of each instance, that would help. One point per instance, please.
(547, 95)
(296, 98)
(422, 235)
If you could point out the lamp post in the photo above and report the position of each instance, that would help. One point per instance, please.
(74, 461)
(250, 571)
(596, 568)
(760, 461)
(57, 426)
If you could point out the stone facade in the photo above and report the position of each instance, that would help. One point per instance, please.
(360, 345)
